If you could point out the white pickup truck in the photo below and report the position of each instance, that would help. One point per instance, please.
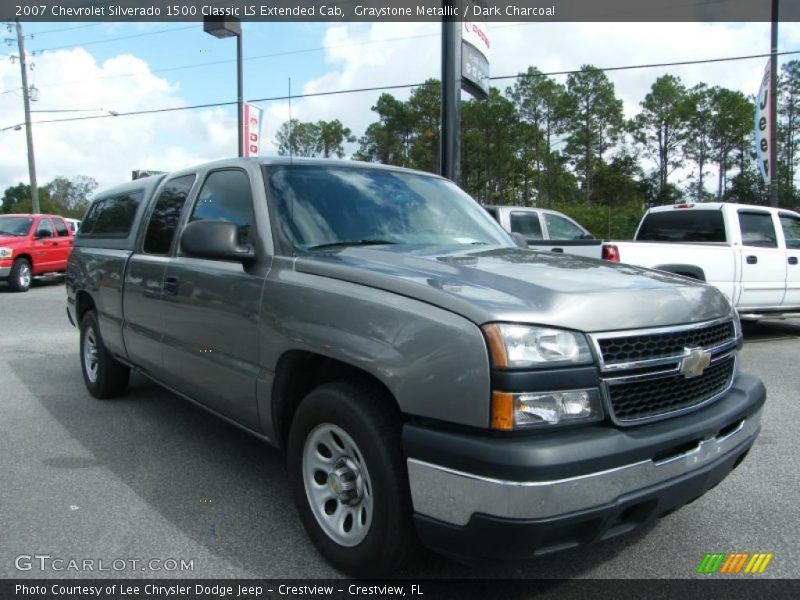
(750, 253)
(547, 230)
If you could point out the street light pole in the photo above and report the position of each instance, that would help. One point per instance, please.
(28, 131)
(222, 27)
(450, 142)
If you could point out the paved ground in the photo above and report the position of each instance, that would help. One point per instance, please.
(150, 476)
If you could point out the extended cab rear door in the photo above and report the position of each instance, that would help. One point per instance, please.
(144, 276)
(763, 261)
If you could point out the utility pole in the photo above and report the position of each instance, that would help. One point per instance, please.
(773, 109)
(450, 142)
(28, 132)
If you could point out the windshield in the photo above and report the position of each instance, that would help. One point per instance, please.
(15, 225)
(328, 207)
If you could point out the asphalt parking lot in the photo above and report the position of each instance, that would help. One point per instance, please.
(149, 476)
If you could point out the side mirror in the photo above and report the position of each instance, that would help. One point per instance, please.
(214, 239)
(587, 236)
(519, 240)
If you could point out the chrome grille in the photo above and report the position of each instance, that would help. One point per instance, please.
(659, 345)
(642, 376)
(642, 399)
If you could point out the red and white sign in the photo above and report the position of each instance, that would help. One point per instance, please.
(252, 129)
(477, 35)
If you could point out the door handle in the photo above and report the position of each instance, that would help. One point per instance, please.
(752, 260)
(171, 286)
(561, 250)
(792, 260)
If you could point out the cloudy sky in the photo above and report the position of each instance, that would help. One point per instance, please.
(119, 67)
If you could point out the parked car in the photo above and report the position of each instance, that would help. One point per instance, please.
(750, 253)
(74, 224)
(31, 246)
(547, 230)
(427, 378)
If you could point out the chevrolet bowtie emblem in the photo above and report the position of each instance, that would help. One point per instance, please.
(694, 362)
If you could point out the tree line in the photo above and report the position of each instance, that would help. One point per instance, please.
(68, 197)
(541, 142)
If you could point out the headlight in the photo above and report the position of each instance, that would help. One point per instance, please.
(6, 252)
(531, 409)
(519, 346)
(737, 324)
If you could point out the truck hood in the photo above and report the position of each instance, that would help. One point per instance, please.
(12, 241)
(487, 284)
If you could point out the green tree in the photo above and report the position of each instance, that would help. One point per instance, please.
(332, 137)
(788, 134)
(72, 196)
(388, 141)
(698, 141)
(662, 126)
(539, 101)
(489, 136)
(731, 127)
(298, 138)
(17, 199)
(424, 106)
(593, 121)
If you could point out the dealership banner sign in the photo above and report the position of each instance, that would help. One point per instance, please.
(475, 51)
(762, 127)
(252, 129)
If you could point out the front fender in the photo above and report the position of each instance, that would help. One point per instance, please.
(434, 362)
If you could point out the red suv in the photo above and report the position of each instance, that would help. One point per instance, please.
(32, 245)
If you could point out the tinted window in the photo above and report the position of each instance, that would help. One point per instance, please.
(61, 227)
(757, 230)
(44, 228)
(322, 206)
(15, 225)
(527, 224)
(225, 196)
(683, 226)
(166, 214)
(560, 228)
(791, 231)
(112, 216)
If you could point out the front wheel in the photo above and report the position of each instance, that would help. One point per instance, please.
(21, 275)
(104, 376)
(349, 478)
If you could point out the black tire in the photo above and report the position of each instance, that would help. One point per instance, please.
(19, 280)
(111, 376)
(373, 422)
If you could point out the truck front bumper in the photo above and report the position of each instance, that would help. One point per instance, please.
(5, 272)
(517, 496)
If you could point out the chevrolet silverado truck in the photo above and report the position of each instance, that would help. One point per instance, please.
(750, 253)
(428, 379)
(32, 246)
(545, 229)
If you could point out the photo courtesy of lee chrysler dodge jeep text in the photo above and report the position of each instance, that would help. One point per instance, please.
(428, 379)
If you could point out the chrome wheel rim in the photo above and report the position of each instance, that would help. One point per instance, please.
(24, 275)
(337, 483)
(90, 363)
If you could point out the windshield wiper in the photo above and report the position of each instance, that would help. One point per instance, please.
(351, 243)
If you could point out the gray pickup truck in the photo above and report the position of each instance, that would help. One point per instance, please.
(427, 378)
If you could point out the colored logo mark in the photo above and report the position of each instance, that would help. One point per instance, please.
(734, 562)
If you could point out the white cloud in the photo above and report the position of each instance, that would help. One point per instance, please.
(106, 148)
